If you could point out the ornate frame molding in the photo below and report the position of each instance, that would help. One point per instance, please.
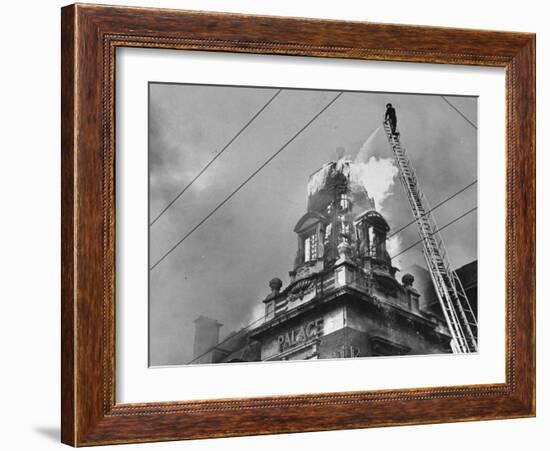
(90, 37)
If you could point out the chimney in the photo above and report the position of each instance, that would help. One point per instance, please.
(207, 336)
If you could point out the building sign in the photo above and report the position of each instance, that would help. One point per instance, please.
(301, 334)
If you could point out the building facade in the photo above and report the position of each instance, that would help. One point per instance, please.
(343, 299)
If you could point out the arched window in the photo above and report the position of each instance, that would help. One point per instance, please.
(310, 246)
(372, 230)
(310, 230)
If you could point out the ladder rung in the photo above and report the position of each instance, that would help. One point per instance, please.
(453, 300)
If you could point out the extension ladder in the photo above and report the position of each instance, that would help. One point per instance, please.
(458, 313)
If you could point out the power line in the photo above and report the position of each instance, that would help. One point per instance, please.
(244, 329)
(459, 112)
(434, 232)
(215, 157)
(434, 208)
(250, 177)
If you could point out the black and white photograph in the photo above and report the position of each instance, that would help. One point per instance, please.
(241, 225)
(300, 224)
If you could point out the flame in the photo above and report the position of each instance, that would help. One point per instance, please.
(376, 174)
(318, 179)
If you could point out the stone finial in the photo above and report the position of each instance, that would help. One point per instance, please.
(275, 284)
(408, 280)
(344, 250)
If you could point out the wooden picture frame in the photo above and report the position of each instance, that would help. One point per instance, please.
(90, 35)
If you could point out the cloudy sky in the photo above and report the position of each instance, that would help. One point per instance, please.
(223, 268)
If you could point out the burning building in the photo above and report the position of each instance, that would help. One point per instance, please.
(343, 298)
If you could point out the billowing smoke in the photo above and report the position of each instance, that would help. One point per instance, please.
(393, 246)
(257, 316)
(376, 174)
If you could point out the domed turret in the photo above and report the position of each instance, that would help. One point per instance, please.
(337, 182)
(372, 230)
(341, 222)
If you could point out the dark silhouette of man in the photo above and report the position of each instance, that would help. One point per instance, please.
(391, 117)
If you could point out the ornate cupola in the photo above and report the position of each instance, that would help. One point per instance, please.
(337, 184)
(371, 229)
(337, 204)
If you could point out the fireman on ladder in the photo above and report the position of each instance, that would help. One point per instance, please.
(391, 117)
